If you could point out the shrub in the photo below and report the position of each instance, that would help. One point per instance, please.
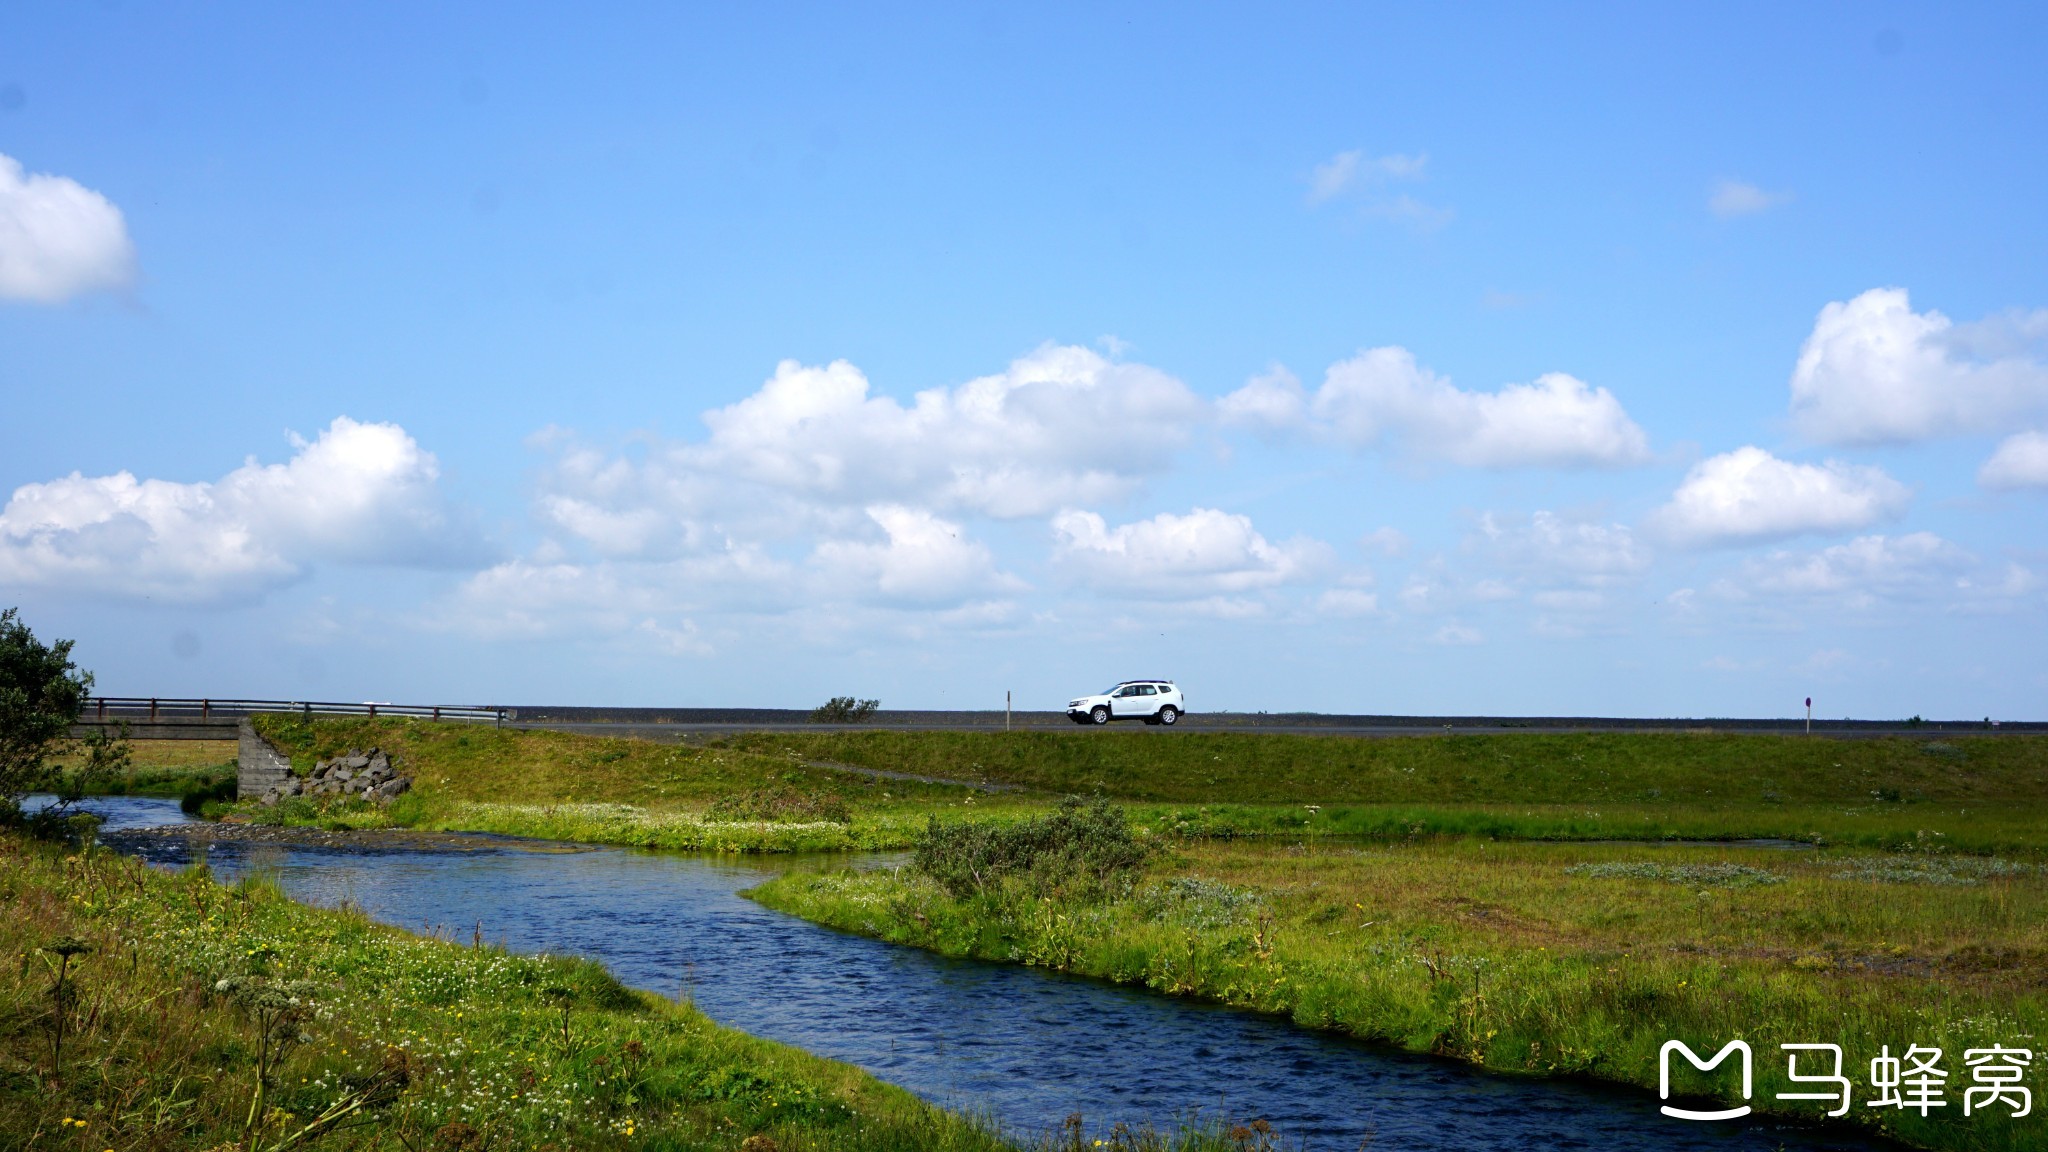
(1081, 849)
(844, 710)
(202, 793)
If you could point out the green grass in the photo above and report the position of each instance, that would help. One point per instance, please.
(1545, 959)
(605, 790)
(1980, 794)
(1435, 892)
(168, 768)
(516, 1051)
(1521, 768)
(1965, 793)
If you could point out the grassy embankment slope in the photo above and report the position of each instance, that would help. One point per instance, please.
(612, 791)
(1973, 794)
(777, 791)
(404, 1042)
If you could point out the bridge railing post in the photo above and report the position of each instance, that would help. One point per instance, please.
(152, 709)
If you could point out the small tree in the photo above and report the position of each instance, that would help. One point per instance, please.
(41, 695)
(844, 710)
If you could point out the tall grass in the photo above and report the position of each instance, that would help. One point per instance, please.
(1543, 958)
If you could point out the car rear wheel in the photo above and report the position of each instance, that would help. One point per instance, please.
(1099, 714)
(1169, 714)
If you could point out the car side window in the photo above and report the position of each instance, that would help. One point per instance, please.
(1145, 690)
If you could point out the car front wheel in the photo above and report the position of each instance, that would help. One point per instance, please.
(1099, 714)
(1169, 714)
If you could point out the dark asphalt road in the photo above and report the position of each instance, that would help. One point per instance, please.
(703, 723)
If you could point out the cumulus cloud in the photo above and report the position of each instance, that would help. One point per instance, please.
(813, 449)
(361, 493)
(58, 238)
(1383, 395)
(1873, 371)
(1731, 198)
(1750, 495)
(2021, 461)
(923, 559)
(1205, 552)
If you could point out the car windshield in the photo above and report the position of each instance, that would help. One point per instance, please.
(1109, 691)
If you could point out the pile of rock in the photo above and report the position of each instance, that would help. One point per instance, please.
(368, 775)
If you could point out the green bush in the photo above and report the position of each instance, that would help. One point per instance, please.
(844, 710)
(1078, 850)
(196, 798)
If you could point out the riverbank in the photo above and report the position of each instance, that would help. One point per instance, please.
(1578, 960)
(173, 982)
(837, 791)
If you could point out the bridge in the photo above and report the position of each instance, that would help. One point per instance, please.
(184, 718)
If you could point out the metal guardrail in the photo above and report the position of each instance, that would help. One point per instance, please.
(159, 709)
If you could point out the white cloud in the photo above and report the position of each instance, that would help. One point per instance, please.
(924, 559)
(1860, 570)
(1868, 571)
(554, 599)
(1205, 552)
(2021, 461)
(1269, 403)
(1457, 634)
(1348, 169)
(363, 493)
(812, 449)
(1551, 549)
(1750, 495)
(1383, 394)
(1731, 198)
(1873, 371)
(58, 238)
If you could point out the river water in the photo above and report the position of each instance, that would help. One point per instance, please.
(1020, 1045)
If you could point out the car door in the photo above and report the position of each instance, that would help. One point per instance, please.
(1131, 700)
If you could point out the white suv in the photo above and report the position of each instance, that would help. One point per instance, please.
(1153, 701)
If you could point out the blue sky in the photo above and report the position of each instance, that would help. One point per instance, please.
(1576, 359)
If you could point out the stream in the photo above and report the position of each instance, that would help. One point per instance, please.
(1020, 1045)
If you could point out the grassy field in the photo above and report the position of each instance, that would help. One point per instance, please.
(1571, 959)
(170, 768)
(1985, 793)
(764, 792)
(614, 791)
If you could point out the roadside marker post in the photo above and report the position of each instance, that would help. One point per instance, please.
(1809, 715)
(1006, 709)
